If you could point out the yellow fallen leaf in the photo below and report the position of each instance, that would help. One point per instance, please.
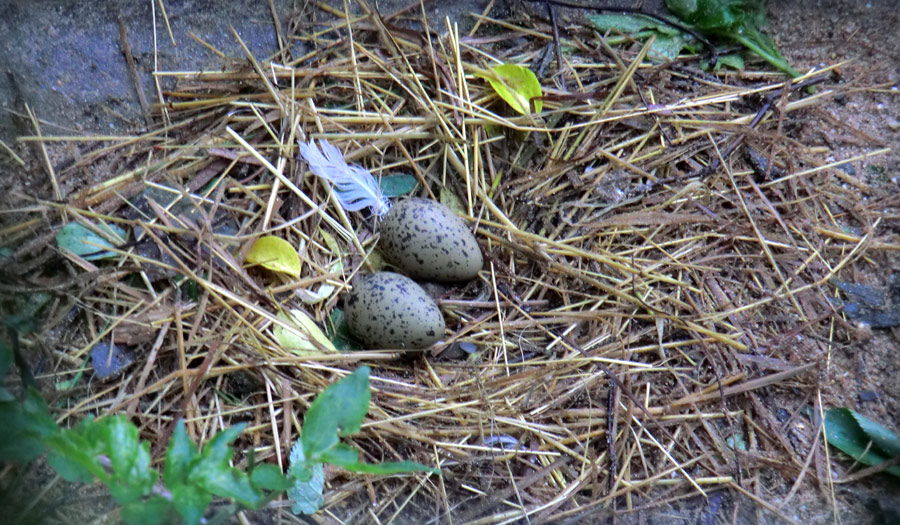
(276, 254)
(452, 201)
(517, 85)
(300, 338)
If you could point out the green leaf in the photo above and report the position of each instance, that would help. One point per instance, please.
(308, 496)
(74, 457)
(390, 467)
(740, 21)
(213, 472)
(299, 469)
(87, 243)
(71, 468)
(669, 40)
(342, 405)
(397, 185)
(629, 24)
(340, 455)
(26, 425)
(732, 60)
(179, 456)
(864, 440)
(268, 476)
(117, 438)
(452, 201)
(667, 47)
(881, 436)
(190, 501)
(517, 85)
(151, 512)
(276, 254)
(339, 333)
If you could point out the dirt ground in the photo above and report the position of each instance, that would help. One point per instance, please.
(89, 90)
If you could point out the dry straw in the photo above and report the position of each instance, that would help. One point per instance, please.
(649, 295)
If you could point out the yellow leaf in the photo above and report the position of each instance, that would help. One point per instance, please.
(452, 201)
(300, 338)
(330, 242)
(517, 85)
(276, 254)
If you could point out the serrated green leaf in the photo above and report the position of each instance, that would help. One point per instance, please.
(26, 425)
(881, 436)
(129, 459)
(268, 476)
(517, 85)
(340, 455)
(738, 20)
(276, 254)
(308, 496)
(86, 243)
(397, 185)
(190, 501)
(213, 472)
(74, 456)
(342, 406)
(843, 430)
(233, 484)
(390, 467)
(123, 444)
(154, 511)
(179, 456)
(71, 468)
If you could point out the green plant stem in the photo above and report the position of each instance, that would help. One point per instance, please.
(763, 53)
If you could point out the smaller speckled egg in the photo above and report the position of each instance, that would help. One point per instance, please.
(388, 310)
(427, 240)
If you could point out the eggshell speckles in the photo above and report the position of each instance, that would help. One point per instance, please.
(427, 240)
(388, 310)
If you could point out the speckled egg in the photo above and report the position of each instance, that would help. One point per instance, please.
(427, 240)
(388, 310)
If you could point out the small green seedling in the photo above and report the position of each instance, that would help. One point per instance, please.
(337, 412)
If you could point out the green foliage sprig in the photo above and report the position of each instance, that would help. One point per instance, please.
(110, 449)
(740, 21)
(337, 412)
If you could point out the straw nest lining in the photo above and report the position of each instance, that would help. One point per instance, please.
(657, 252)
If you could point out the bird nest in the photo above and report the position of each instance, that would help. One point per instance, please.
(658, 247)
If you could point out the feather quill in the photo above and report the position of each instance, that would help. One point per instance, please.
(354, 186)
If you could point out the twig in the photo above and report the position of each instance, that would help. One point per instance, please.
(132, 71)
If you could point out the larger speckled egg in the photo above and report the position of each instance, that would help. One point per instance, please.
(389, 310)
(427, 240)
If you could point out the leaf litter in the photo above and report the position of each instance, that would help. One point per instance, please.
(666, 332)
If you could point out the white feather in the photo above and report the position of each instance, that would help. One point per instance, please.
(354, 186)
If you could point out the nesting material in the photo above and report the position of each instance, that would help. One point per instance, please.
(648, 296)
